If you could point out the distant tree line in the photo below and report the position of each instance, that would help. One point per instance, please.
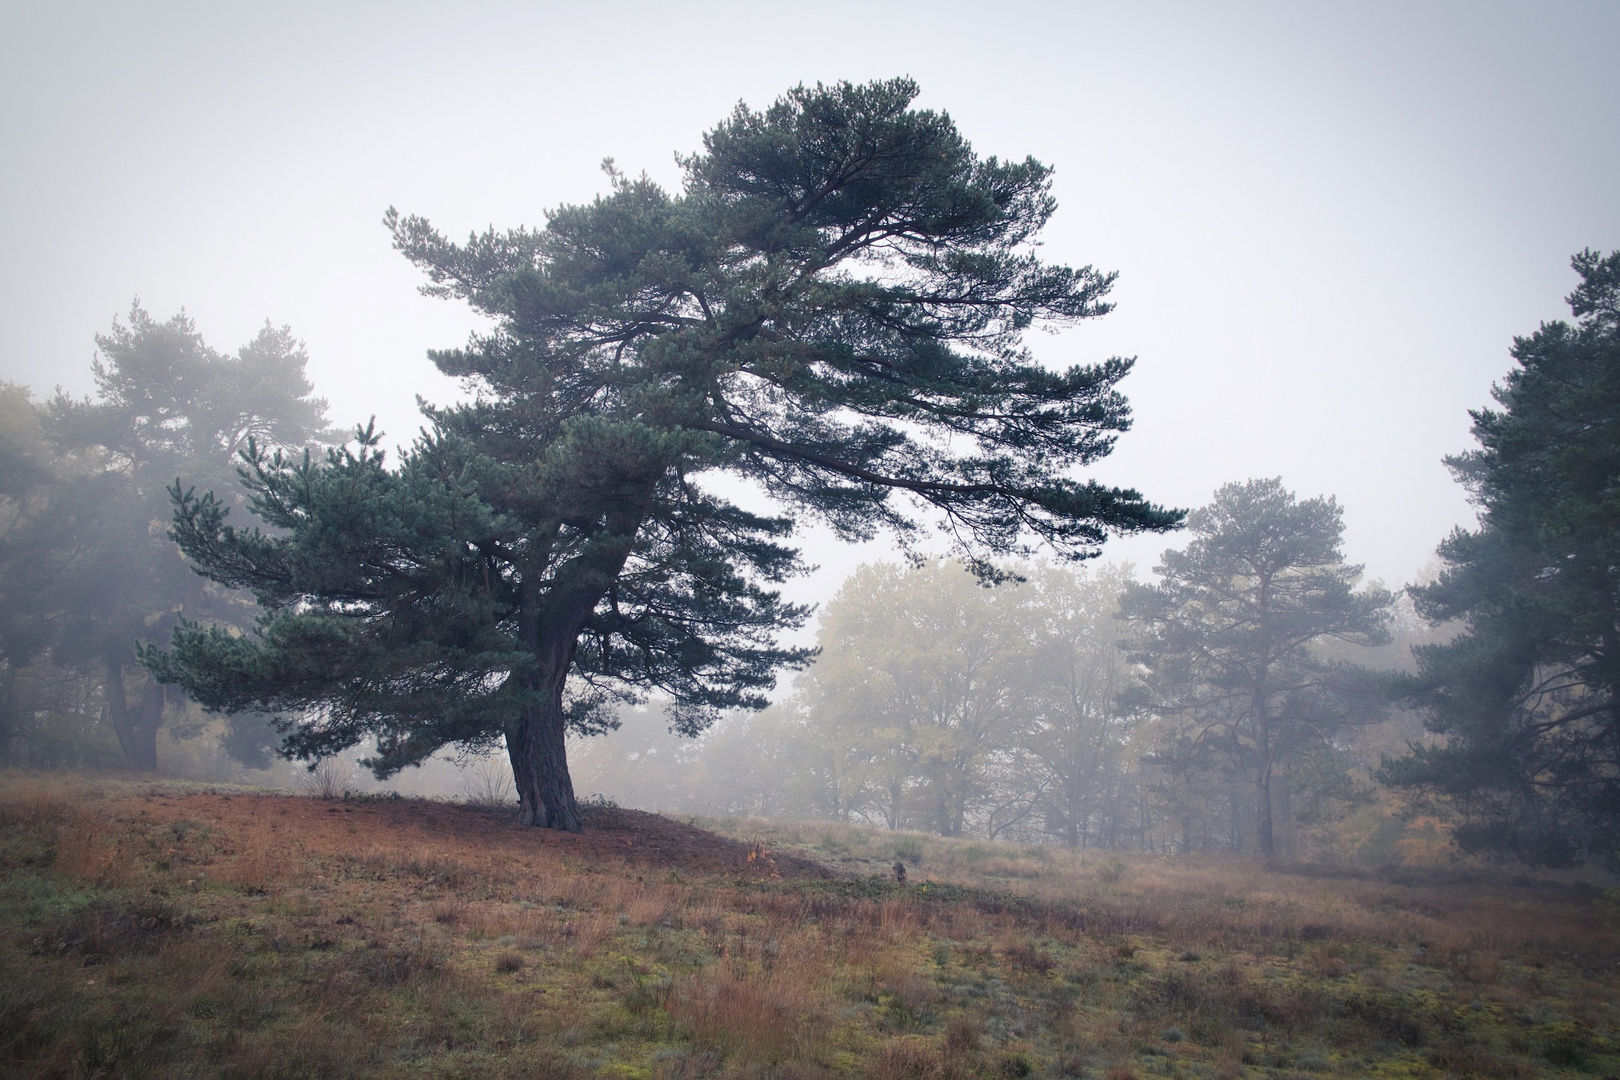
(1217, 711)
(1253, 698)
(1250, 699)
(87, 565)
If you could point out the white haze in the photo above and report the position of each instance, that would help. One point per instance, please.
(1329, 222)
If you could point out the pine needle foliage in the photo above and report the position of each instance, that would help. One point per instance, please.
(1525, 696)
(831, 308)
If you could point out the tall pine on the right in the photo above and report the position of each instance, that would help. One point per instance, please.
(1525, 696)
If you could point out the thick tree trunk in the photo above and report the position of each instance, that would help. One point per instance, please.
(536, 740)
(1283, 824)
(137, 729)
(537, 746)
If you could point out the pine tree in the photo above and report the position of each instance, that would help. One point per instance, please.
(1525, 696)
(831, 309)
(1227, 638)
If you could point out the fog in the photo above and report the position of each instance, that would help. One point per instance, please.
(1329, 225)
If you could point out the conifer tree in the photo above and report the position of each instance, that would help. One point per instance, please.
(1526, 695)
(85, 566)
(1228, 638)
(830, 308)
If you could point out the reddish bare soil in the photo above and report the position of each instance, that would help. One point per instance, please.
(637, 841)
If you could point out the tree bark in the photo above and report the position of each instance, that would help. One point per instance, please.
(1262, 800)
(537, 746)
(137, 729)
(1283, 823)
(536, 739)
(1262, 727)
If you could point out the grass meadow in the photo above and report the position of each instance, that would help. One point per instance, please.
(167, 930)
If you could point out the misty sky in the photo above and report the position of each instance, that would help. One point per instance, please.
(1329, 220)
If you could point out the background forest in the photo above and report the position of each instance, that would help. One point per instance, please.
(938, 705)
(1063, 708)
(546, 563)
(1257, 697)
(87, 567)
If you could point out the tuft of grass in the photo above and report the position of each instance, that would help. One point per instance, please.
(392, 967)
(755, 1019)
(1026, 956)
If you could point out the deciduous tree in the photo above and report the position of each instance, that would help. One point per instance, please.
(1077, 756)
(921, 690)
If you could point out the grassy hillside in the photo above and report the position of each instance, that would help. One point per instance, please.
(157, 930)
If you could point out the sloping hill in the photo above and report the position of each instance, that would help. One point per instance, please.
(166, 931)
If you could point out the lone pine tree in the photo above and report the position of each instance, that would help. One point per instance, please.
(831, 308)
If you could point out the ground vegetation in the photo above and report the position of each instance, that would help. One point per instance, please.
(167, 930)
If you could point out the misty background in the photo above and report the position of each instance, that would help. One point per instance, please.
(1328, 223)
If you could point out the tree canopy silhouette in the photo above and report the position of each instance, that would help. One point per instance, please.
(85, 566)
(831, 308)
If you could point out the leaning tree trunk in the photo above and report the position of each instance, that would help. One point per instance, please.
(536, 739)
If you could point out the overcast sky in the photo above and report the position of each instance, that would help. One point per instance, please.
(1329, 220)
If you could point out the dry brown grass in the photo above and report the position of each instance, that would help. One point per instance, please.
(1236, 900)
(753, 1017)
(191, 932)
